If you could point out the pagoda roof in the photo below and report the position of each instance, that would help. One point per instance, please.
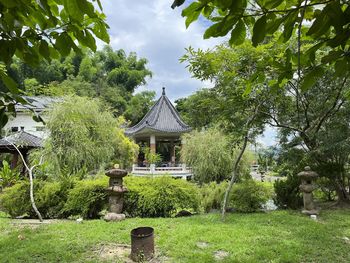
(22, 140)
(162, 118)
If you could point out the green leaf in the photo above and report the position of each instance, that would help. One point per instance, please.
(259, 31)
(74, 10)
(289, 25)
(100, 30)
(311, 77)
(212, 30)
(273, 25)
(63, 44)
(320, 25)
(238, 34)
(270, 4)
(3, 117)
(44, 49)
(192, 12)
(331, 56)
(9, 3)
(87, 8)
(88, 40)
(191, 18)
(9, 83)
(341, 67)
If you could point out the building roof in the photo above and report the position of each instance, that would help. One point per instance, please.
(22, 139)
(37, 103)
(162, 118)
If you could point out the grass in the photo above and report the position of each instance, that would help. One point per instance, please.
(280, 236)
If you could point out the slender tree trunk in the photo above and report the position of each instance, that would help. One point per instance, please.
(32, 201)
(31, 184)
(234, 176)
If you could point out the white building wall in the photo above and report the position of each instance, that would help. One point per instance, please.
(24, 120)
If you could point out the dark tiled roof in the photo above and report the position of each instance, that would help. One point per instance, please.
(162, 117)
(37, 103)
(21, 139)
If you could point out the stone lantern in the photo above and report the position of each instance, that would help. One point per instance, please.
(307, 178)
(115, 191)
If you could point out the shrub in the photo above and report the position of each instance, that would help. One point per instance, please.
(87, 198)
(287, 193)
(51, 197)
(147, 197)
(212, 195)
(15, 201)
(8, 177)
(249, 196)
(159, 196)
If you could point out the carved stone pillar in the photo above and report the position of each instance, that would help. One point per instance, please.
(307, 178)
(115, 191)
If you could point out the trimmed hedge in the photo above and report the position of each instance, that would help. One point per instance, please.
(87, 198)
(147, 197)
(159, 196)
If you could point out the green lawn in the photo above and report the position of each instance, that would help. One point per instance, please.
(280, 236)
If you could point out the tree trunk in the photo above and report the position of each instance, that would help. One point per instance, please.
(32, 201)
(235, 168)
(343, 195)
(233, 177)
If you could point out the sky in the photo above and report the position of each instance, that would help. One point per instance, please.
(158, 33)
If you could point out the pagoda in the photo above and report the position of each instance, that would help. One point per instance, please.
(160, 130)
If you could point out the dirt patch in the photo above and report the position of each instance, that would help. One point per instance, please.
(113, 252)
(220, 254)
(120, 253)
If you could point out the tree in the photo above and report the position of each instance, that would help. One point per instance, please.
(87, 74)
(84, 135)
(210, 155)
(258, 20)
(139, 105)
(31, 183)
(198, 110)
(310, 119)
(38, 30)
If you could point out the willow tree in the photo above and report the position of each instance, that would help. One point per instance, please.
(85, 135)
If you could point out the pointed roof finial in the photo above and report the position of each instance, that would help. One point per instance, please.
(163, 93)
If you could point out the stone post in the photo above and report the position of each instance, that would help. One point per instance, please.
(152, 144)
(307, 177)
(115, 191)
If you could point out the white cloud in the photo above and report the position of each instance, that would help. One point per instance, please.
(158, 33)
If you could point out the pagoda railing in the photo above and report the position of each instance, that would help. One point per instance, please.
(178, 171)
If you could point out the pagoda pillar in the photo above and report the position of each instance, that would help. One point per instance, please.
(172, 154)
(152, 144)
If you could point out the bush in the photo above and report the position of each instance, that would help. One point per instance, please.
(15, 201)
(8, 176)
(159, 196)
(147, 197)
(287, 193)
(212, 195)
(249, 196)
(87, 198)
(51, 197)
